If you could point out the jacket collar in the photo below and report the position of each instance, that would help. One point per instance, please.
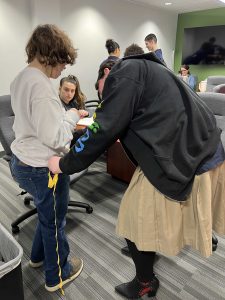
(147, 56)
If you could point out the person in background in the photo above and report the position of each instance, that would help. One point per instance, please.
(71, 96)
(43, 128)
(186, 76)
(152, 46)
(102, 69)
(70, 93)
(173, 139)
(133, 49)
(113, 49)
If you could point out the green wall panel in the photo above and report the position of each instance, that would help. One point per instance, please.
(198, 19)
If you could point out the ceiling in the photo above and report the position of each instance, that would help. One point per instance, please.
(181, 6)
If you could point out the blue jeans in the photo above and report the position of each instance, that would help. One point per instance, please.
(35, 182)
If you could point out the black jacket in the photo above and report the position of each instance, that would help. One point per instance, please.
(163, 125)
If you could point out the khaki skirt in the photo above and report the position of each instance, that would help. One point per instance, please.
(155, 223)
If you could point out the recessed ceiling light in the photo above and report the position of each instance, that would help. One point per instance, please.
(169, 3)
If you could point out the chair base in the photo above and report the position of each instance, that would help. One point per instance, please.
(88, 208)
(14, 225)
(16, 229)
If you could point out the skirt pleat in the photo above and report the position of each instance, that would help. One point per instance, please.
(156, 223)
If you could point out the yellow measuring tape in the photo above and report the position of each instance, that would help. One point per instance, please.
(52, 182)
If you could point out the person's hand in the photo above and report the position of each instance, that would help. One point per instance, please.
(75, 111)
(83, 113)
(53, 164)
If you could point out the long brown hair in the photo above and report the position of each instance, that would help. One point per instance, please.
(79, 95)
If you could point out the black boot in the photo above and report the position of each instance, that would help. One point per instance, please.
(125, 251)
(136, 289)
(214, 242)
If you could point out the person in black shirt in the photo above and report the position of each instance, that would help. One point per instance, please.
(71, 94)
(176, 195)
(113, 49)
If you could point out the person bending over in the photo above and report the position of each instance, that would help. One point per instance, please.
(173, 139)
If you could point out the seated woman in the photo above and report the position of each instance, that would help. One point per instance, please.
(71, 94)
(71, 97)
(185, 74)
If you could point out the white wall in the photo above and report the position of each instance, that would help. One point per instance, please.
(89, 23)
(15, 26)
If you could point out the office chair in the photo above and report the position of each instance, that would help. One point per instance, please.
(6, 138)
(220, 88)
(216, 102)
(213, 81)
(91, 105)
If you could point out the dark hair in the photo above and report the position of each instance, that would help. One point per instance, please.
(186, 67)
(151, 37)
(111, 45)
(50, 46)
(133, 49)
(109, 64)
(79, 96)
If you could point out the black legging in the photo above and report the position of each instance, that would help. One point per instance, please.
(143, 261)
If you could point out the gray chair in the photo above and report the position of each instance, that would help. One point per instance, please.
(6, 138)
(220, 88)
(213, 81)
(91, 105)
(216, 102)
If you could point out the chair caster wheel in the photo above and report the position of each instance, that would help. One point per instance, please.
(15, 229)
(89, 210)
(26, 202)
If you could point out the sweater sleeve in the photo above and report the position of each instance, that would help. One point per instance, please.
(54, 126)
(120, 97)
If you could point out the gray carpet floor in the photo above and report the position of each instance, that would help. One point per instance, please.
(92, 237)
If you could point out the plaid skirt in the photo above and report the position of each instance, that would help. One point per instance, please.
(155, 223)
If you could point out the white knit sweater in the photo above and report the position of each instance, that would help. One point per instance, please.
(42, 126)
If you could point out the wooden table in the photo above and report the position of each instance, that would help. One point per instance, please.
(118, 163)
(78, 127)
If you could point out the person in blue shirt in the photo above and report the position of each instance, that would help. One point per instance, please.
(186, 76)
(152, 46)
